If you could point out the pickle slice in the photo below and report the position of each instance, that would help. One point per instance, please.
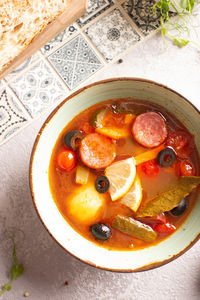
(97, 118)
(134, 228)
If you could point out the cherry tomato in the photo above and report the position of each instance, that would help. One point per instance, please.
(150, 168)
(181, 142)
(85, 127)
(185, 168)
(165, 228)
(67, 160)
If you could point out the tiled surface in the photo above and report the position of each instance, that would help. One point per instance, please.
(11, 116)
(112, 34)
(38, 88)
(64, 35)
(23, 67)
(75, 61)
(102, 35)
(94, 9)
(142, 14)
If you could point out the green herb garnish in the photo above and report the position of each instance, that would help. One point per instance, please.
(16, 269)
(181, 26)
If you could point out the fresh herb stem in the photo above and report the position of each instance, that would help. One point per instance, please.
(184, 10)
(16, 270)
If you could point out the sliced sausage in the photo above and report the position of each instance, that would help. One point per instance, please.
(97, 151)
(149, 129)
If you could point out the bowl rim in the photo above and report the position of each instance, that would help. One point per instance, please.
(36, 142)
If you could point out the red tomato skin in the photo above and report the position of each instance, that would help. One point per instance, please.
(185, 168)
(85, 127)
(150, 168)
(67, 160)
(181, 142)
(165, 228)
(152, 221)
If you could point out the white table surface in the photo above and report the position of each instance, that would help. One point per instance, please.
(46, 265)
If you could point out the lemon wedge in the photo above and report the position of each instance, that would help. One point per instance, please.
(133, 198)
(121, 175)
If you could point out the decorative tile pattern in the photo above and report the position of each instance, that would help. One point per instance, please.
(38, 88)
(75, 61)
(141, 12)
(11, 116)
(94, 9)
(112, 34)
(31, 60)
(65, 34)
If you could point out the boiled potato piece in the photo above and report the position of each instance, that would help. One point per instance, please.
(85, 205)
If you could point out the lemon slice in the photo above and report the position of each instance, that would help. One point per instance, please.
(133, 198)
(121, 175)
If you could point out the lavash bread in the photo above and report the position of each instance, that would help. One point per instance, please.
(21, 21)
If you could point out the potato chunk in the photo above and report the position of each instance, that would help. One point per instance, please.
(85, 205)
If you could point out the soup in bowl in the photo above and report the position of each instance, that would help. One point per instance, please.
(114, 174)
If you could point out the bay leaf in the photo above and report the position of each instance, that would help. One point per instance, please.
(169, 199)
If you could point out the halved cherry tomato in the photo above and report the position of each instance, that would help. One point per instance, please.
(185, 168)
(150, 168)
(181, 142)
(85, 127)
(165, 228)
(67, 160)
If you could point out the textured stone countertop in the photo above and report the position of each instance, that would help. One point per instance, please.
(46, 265)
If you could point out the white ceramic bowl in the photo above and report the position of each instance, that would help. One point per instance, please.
(57, 226)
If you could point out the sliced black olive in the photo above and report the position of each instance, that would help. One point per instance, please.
(179, 210)
(102, 184)
(73, 138)
(166, 157)
(100, 231)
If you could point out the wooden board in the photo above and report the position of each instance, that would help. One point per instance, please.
(75, 10)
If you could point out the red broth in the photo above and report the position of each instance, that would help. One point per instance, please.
(63, 186)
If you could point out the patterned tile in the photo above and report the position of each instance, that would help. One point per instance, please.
(65, 34)
(94, 9)
(112, 34)
(11, 116)
(142, 14)
(75, 61)
(38, 88)
(22, 68)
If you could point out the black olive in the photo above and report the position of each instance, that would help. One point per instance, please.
(179, 210)
(102, 184)
(72, 139)
(100, 231)
(166, 157)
